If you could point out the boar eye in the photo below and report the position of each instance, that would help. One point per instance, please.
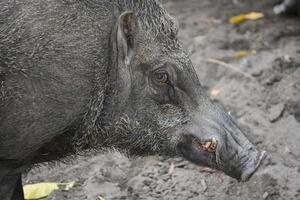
(161, 76)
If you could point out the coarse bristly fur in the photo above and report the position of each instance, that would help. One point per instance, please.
(20, 50)
(126, 134)
(103, 74)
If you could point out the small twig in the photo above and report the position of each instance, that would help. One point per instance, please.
(207, 170)
(232, 67)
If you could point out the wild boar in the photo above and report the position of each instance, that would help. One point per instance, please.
(102, 74)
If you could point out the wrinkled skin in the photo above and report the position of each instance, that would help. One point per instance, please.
(105, 74)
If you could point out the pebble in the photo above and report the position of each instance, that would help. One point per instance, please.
(265, 195)
(275, 112)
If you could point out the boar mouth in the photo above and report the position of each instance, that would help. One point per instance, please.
(199, 152)
(206, 153)
(207, 145)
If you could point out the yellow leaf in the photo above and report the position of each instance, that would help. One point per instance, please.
(42, 190)
(250, 16)
(215, 92)
(254, 16)
(237, 19)
(240, 54)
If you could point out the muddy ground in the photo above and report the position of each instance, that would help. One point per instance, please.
(265, 100)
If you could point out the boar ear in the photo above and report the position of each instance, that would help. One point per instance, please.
(127, 31)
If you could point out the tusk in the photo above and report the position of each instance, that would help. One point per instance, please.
(210, 146)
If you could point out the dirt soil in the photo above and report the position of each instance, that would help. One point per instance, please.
(262, 92)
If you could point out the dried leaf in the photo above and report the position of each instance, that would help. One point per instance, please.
(215, 92)
(42, 190)
(240, 54)
(250, 16)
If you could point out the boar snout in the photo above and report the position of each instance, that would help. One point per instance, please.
(218, 143)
